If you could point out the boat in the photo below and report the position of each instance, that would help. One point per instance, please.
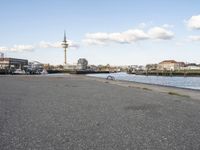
(19, 72)
(44, 71)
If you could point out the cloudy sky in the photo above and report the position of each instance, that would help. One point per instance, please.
(116, 32)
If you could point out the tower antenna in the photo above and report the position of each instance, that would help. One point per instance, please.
(65, 46)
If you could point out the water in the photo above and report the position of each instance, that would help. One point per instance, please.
(181, 82)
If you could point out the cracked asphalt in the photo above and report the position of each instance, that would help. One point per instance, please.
(75, 113)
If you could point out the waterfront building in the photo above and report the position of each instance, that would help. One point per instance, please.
(103, 68)
(167, 65)
(108, 68)
(70, 67)
(191, 66)
(179, 65)
(132, 68)
(170, 65)
(13, 63)
(53, 67)
(35, 66)
(92, 67)
(151, 67)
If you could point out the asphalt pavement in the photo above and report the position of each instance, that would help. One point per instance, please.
(75, 113)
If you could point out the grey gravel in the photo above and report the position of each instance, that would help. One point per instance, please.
(75, 113)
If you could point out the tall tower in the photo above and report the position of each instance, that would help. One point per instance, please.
(65, 46)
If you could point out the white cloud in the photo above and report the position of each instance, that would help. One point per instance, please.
(57, 44)
(167, 26)
(135, 35)
(194, 38)
(42, 45)
(93, 41)
(18, 48)
(194, 22)
(22, 48)
(73, 44)
(96, 38)
(160, 33)
(129, 36)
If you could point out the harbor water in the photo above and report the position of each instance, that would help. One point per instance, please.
(181, 82)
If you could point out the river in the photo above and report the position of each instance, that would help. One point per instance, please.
(181, 82)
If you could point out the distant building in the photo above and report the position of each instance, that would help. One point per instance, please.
(170, 65)
(93, 67)
(82, 64)
(103, 68)
(13, 63)
(35, 66)
(179, 65)
(191, 66)
(70, 67)
(151, 67)
(167, 65)
(135, 68)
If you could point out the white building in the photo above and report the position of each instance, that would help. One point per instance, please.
(191, 67)
(170, 65)
(69, 67)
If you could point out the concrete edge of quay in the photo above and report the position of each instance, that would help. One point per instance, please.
(176, 91)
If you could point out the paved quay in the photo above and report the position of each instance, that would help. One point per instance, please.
(78, 113)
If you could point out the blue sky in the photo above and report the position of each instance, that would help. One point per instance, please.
(121, 32)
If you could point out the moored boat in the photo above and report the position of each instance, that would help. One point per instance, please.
(19, 72)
